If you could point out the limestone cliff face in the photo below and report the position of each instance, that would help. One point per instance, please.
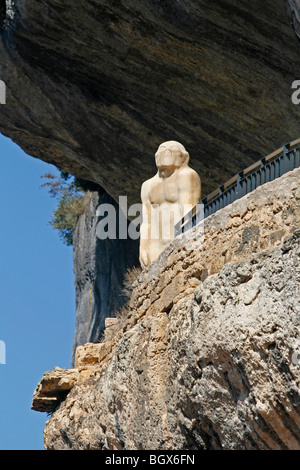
(99, 268)
(95, 87)
(205, 356)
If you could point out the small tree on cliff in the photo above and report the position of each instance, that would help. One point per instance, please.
(73, 196)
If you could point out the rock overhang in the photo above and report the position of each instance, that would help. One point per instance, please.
(95, 88)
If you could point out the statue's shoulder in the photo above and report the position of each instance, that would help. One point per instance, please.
(188, 174)
(147, 186)
(149, 183)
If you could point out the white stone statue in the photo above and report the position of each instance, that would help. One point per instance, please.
(166, 198)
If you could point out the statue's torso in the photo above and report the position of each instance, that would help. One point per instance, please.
(164, 190)
(166, 202)
(165, 208)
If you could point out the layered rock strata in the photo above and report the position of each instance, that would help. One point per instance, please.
(204, 357)
(95, 87)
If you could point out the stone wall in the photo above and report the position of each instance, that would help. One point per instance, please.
(257, 222)
(202, 356)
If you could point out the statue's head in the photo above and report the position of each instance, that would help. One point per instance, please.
(171, 154)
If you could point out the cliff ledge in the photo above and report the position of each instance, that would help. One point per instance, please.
(204, 357)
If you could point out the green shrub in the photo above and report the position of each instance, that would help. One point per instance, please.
(72, 201)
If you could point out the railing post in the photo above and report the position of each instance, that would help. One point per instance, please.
(285, 160)
(199, 216)
(178, 228)
(238, 192)
(221, 196)
(263, 170)
(204, 203)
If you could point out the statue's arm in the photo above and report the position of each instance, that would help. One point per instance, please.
(189, 190)
(145, 226)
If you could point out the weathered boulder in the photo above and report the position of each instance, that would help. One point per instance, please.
(53, 388)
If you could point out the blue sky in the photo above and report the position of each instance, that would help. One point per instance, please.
(37, 295)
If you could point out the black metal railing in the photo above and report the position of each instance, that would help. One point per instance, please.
(267, 169)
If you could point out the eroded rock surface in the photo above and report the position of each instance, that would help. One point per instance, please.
(99, 269)
(203, 357)
(95, 87)
(214, 373)
(53, 388)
